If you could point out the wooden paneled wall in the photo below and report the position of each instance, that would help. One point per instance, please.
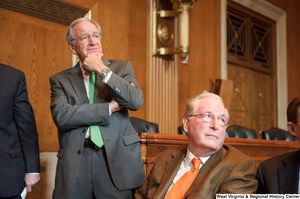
(163, 94)
(124, 29)
(38, 48)
(293, 42)
(162, 84)
(204, 54)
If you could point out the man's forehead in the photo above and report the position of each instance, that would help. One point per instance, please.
(211, 105)
(85, 26)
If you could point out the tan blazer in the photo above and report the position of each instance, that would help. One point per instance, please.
(228, 171)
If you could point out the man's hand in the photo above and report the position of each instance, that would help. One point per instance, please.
(31, 181)
(114, 106)
(94, 63)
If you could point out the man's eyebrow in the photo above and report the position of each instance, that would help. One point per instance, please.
(221, 115)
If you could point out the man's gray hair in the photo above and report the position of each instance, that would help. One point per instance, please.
(191, 105)
(70, 36)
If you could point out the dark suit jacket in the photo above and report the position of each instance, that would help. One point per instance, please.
(280, 174)
(226, 172)
(19, 149)
(73, 114)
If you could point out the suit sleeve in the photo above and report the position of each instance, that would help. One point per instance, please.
(69, 113)
(241, 179)
(261, 184)
(26, 127)
(120, 87)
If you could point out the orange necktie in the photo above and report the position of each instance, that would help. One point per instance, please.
(183, 184)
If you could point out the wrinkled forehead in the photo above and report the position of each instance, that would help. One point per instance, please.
(211, 105)
(85, 27)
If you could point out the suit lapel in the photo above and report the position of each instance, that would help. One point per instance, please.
(172, 166)
(288, 176)
(206, 169)
(76, 79)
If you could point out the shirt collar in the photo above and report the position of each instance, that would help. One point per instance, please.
(189, 156)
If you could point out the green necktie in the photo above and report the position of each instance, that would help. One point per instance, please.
(96, 136)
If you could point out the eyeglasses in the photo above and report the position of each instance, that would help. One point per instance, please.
(208, 117)
(85, 38)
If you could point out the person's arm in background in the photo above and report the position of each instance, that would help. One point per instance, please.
(26, 126)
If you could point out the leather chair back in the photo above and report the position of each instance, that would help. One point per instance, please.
(181, 131)
(227, 134)
(277, 134)
(141, 125)
(237, 131)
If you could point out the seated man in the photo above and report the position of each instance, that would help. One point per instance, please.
(222, 169)
(280, 174)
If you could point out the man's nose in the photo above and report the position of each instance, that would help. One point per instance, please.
(92, 40)
(215, 124)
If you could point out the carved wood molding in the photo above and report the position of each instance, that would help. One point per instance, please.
(45, 9)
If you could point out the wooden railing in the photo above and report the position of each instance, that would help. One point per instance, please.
(258, 149)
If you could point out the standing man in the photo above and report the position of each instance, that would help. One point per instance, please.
(19, 147)
(211, 167)
(99, 155)
(280, 174)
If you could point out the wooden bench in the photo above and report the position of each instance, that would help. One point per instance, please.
(154, 143)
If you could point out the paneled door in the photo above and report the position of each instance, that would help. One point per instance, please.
(251, 66)
(252, 104)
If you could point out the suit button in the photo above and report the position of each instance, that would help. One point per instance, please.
(78, 152)
(83, 130)
(117, 89)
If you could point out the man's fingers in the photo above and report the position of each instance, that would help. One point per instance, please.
(28, 188)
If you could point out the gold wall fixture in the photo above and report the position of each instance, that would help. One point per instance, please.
(163, 34)
(182, 8)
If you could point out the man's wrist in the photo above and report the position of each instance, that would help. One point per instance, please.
(104, 73)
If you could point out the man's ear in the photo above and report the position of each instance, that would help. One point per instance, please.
(72, 48)
(291, 128)
(185, 124)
